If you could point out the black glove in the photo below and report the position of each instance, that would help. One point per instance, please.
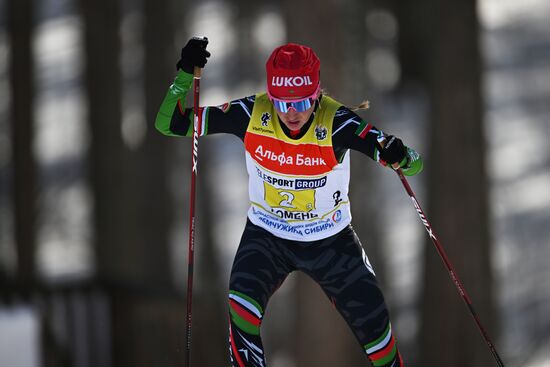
(393, 151)
(193, 54)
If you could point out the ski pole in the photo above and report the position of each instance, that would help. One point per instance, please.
(195, 155)
(449, 267)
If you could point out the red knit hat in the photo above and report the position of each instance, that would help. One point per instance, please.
(292, 71)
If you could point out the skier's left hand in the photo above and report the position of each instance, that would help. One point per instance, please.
(393, 151)
(194, 54)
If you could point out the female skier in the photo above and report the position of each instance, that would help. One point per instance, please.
(297, 144)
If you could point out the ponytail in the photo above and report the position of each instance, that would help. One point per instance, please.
(362, 106)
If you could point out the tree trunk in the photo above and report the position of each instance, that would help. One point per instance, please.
(457, 183)
(108, 163)
(244, 66)
(322, 336)
(414, 24)
(20, 24)
(365, 188)
(153, 158)
(112, 227)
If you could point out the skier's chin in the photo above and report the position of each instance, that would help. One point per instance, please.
(294, 124)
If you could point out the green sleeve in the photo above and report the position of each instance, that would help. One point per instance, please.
(177, 91)
(412, 163)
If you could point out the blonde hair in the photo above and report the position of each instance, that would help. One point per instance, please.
(362, 106)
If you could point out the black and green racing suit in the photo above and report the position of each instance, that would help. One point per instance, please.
(262, 262)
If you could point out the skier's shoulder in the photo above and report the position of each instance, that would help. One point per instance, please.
(345, 116)
(245, 104)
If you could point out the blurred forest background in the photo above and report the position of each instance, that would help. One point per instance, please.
(94, 201)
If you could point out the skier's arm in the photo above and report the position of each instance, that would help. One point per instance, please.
(351, 132)
(193, 55)
(171, 119)
(175, 120)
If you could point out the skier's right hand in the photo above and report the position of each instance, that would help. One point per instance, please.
(194, 54)
(393, 151)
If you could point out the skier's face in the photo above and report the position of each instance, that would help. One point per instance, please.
(295, 120)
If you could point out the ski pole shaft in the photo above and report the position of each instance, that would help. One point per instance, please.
(190, 256)
(450, 268)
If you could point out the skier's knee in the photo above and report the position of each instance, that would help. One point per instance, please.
(245, 312)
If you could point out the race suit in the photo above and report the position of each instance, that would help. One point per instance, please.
(299, 216)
